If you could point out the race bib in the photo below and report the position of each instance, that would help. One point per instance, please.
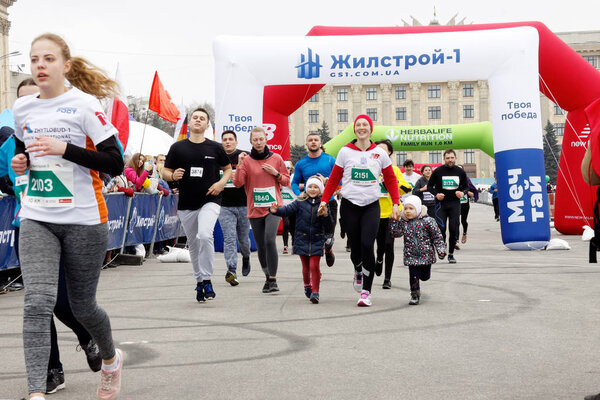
(363, 176)
(464, 199)
(50, 184)
(196, 172)
(287, 195)
(264, 197)
(450, 182)
(229, 183)
(383, 191)
(428, 196)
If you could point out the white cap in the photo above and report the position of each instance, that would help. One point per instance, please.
(314, 181)
(413, 201)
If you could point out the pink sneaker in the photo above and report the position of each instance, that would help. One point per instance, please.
(365, 299)
(110, 381)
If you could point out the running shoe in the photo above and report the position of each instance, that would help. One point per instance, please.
(285, 249)
(463, 240)
(314, 297)
(55, 381)
(365, 299)
(387, 284)
(592, 397)
(273, 286)
(92, 354)
(348, 250)
(329, 257)
(110, 381)
(231, 278)
(451, 259)
(200, 293)
(245, 266)
(415, 296)
(378, 267)
(267, 286)
(307, 291)
(456, 246)
(358, 281)
(209, 293)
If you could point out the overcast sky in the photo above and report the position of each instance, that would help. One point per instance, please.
(175, 37)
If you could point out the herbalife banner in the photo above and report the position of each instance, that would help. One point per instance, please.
(507, 58)
(424, 138)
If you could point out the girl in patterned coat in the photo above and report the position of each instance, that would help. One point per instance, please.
(422, 239)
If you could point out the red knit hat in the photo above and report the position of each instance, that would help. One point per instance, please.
(365, 117)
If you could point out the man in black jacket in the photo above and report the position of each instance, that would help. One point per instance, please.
(448, 183)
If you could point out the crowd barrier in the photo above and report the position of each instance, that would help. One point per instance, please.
(142, 219)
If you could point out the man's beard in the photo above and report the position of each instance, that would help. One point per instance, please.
(315, 150)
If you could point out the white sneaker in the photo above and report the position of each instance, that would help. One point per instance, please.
(365, 299)
(358, 280)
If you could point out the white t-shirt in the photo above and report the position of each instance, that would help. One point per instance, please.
(60, 191)
(360, 183)
(412, 178)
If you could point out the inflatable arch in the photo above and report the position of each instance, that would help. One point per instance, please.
(262, 80)
(424, 138)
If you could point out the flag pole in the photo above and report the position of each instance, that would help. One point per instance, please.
(144, 131)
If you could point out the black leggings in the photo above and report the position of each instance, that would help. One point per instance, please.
(362, 223)
(496, 208)
(448, 214)
(288, 229)
(63, 312)
(418, 273)
(385, 247)
(464, 213)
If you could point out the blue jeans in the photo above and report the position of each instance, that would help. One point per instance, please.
(234, 224)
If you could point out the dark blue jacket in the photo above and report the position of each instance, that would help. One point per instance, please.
(310, 228)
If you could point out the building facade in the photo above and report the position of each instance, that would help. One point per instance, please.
(425, 104)
(5, 91)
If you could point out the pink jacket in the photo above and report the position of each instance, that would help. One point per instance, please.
(132, 177)
(251, 175)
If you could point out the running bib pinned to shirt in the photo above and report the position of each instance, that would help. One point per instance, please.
(229, 183)
(264, 197)
(287, 195)
(363, 176)
(196, 172)
(383, 192)
(464, 199)
(450, 182)
(50, 184)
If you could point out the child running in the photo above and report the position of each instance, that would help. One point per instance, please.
(310, 233)
(422, 238)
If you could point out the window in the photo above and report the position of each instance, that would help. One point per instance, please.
(469, 111)
(315, 98)
(469, 156)
(372, 113)
(434, 112)
(559, 129)
(342, 94)
(592, 60)
(371, 93)
(435, 157)
(400, 92)
(434, 91)
(401, 156)
(468, 90)
(400, 113)
(313, 116)
(558, 110)
(342, 115)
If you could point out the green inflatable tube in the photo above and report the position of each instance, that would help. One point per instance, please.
(424, 138)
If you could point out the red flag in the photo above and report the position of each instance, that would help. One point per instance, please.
(118, 113)
(160, 101)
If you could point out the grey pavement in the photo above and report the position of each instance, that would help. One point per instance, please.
(499, 324)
